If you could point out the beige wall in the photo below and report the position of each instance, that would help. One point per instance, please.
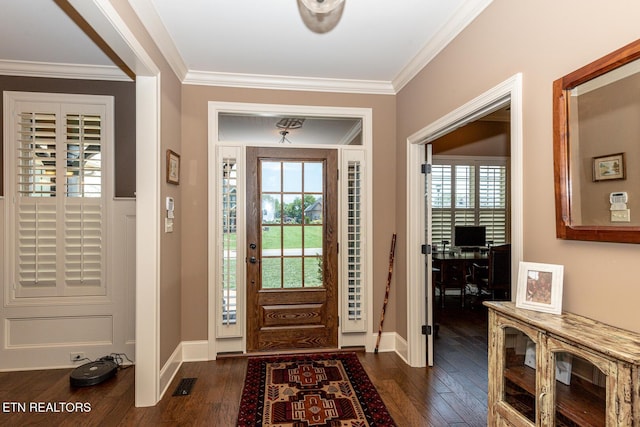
(543, 40)
(194, 187)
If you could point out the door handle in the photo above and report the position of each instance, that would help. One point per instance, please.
(253, 260)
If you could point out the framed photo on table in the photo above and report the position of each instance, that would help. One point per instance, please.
(540, 287)
(173, 167)
(611, 167)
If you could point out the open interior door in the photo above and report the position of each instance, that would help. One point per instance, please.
(429, 294)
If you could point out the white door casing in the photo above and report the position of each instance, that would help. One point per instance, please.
(507, 92)
(225, 338)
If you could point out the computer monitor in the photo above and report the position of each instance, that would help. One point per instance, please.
(470, 236)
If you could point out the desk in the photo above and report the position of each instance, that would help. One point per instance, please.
(450, 271)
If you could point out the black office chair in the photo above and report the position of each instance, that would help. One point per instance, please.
(448, 276)
(491, 280)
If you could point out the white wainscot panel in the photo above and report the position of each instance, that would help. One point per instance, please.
(30, 332)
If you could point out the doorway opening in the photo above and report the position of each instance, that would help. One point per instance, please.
(241, 308)
(420, 351)
(470, 229)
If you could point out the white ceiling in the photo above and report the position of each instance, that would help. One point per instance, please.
(376, 47)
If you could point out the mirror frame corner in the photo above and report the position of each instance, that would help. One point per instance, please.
(561, 145)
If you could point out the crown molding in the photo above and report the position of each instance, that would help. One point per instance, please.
(449, 31)
(148, 15)
(256, 81)
(62, 71)
(151, 20)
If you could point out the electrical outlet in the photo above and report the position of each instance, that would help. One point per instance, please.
(76, 357)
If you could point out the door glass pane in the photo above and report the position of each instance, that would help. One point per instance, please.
(271, 240)
(292, 208)
(313, 272)
(313, 177)
(580, 391)
(292, 240)
(271, 175)
(520, 373)
(293, 272)
(292, 177)
(271, 208)
(313, 209)
(271, 273)
(313, 240)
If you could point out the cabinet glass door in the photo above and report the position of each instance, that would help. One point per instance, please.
(520, 373)
(580, 391)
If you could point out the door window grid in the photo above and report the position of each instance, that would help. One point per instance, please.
(472, 192)
(292, 224)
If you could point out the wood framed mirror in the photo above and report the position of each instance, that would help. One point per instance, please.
(596, 149)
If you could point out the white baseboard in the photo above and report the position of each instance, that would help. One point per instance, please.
(170, 369)
(402, 348)
(195, 351)
(391, 341)
(198, 351)
(387, 342)
(186, 351)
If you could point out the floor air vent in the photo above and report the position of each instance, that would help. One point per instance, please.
(184, 387)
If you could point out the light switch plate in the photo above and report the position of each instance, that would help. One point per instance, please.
(623, 215)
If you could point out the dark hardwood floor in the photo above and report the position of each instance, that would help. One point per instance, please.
(452, 393)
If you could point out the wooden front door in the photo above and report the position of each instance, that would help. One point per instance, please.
(292, 261)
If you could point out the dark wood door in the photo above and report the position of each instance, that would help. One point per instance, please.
(292, 261)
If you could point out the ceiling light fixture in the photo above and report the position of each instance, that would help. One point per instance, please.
(321, 16)
(286, 124)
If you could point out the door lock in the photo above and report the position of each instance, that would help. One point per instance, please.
(252, 245)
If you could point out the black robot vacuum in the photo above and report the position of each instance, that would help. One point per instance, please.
(93, 373)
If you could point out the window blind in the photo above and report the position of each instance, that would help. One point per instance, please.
(469, 192)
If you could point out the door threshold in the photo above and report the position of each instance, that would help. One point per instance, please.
(290, 351)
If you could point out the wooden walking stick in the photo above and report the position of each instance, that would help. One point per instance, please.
(386, 293)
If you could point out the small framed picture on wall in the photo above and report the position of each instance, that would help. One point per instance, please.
(173, 167)
(606, 168)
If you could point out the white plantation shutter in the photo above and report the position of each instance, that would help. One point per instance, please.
(83, 154)
(492, 196)
(355, 286)
(36, 220)
(58, 187)
(353, 249)
(36, 151)
(441, 196)
(83, 244)
(469, 191)
(37, 225)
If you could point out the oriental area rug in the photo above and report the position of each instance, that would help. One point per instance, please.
(304, 390)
